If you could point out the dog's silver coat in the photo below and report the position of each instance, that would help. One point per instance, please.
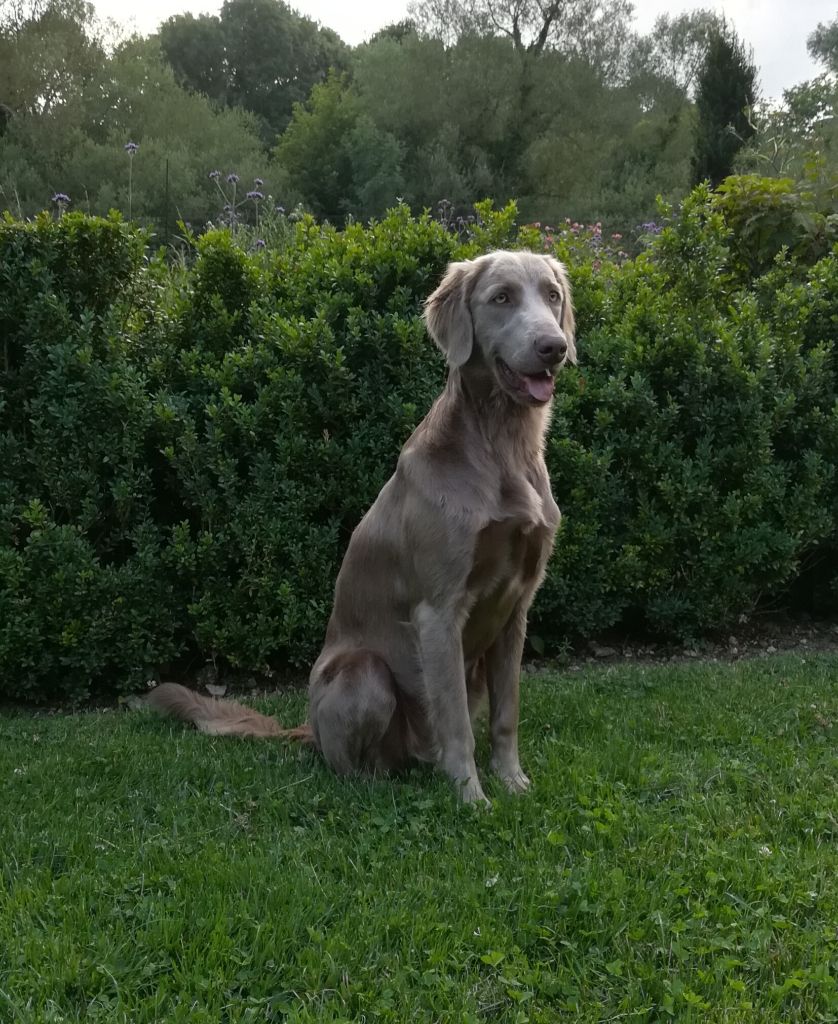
(431, 601)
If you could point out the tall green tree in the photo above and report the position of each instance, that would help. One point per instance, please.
(598, 31)
(726, 91)
(259, 55)
(47, 52)
(674, 51)
(77, 146)
(313, 150)
(823, 45)
(799, 138)
(426, 121)
(194, 47)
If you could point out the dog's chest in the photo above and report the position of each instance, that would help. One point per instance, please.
(508, 561)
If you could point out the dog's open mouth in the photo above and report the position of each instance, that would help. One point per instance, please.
(536, 387)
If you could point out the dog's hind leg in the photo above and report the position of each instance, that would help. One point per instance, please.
(355, 715)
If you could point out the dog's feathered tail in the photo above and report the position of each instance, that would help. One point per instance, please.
(221, 717)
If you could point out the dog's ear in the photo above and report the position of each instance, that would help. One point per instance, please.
(568, 323)
(448, 317)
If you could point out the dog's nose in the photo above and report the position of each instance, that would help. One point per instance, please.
(551, 348)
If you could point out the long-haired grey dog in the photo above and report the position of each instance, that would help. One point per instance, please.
(430, 609)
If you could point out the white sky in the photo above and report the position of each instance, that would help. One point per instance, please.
(776, 29)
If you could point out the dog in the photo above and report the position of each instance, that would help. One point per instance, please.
(431, 601)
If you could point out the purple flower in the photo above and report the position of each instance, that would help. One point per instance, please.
(61, 198)
(232, 178)
(131, 148)
(215, 175)
(260, 243)
(258, 182)
(256, 196)
(650, 228)
(280, 210)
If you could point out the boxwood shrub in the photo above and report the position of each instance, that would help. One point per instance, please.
(186, 447)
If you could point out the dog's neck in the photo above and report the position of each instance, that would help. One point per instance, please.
(495, 413)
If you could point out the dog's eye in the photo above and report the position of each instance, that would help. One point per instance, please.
(554, 295)
(500, 298)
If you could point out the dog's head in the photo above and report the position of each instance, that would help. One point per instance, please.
(509, 313)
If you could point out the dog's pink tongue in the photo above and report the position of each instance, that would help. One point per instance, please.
(540, 387)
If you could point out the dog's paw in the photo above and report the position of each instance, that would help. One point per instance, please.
(471, 792)
(513, 778)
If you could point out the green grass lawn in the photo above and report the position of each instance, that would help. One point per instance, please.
(677, 858)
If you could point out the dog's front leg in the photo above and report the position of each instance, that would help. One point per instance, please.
(503, 674)
(441, 649)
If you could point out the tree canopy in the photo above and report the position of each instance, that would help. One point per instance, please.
(725, 93)
(559, 103)
(259, 55)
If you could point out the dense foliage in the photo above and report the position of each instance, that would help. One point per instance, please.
(258, 55)
(185, 449)
(725, 96)
(562, 104)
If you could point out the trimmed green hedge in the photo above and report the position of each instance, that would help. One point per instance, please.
(695, 459)
(186, 450)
